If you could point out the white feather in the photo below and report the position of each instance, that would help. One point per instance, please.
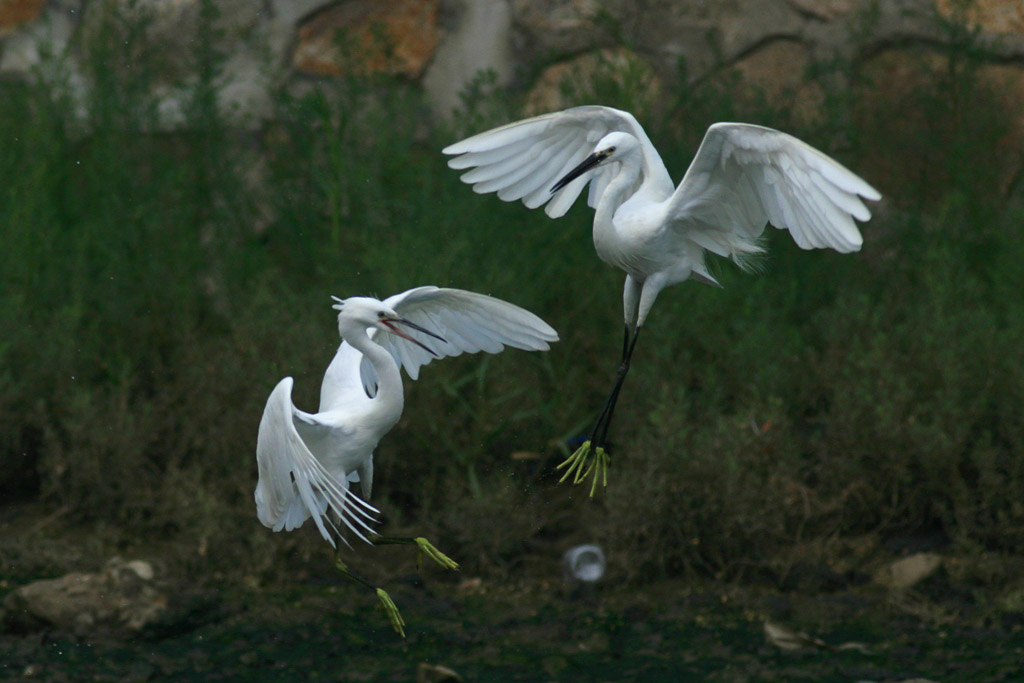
(307, 461)
(470, 322)
(293, 484)
(795, 186)
(508, 156)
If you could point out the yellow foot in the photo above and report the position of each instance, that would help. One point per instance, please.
(397, 622)
(600, 467)
(580, 466)
(576, 463)
(427, 549)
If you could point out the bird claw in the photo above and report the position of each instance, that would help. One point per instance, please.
(600, 468)
(427, 549)
(575, 463)
(397, 622)
(580, 465)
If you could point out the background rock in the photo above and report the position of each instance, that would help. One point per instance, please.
(585, 72)
(397, 37)
(778, 72)
(476, 36)
(441, 45)
(824, 10)
(14, 13)
(549, 29)
(992, 16)
(909, 571)
(25, 38)
(122, 599)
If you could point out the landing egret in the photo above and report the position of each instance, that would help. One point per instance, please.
(307, 461)
(742, 177)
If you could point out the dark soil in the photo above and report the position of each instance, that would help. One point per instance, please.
(532, 630)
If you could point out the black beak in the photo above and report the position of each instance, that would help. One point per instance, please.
(584, 166)
(409, 323)
(416, 327)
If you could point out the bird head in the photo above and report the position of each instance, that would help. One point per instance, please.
(357, 314)
(612, 147)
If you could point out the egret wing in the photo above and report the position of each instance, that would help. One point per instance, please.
(523, 160)
(469, 322)
(745, 176)
(293, 485)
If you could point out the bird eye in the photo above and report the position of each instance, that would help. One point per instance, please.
(611, 150)
(380, 314)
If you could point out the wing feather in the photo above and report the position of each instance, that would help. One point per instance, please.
(505, 135)
(491, 156)
(293, 485)
(509, 160)
(468, 321)
(533, 172)
(561, 201)
(548, 161)
(559, 166)
(507, 169)
(743, 175)
(845, 200)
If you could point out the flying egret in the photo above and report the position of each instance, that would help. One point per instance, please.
(307, 461)
(742, 177)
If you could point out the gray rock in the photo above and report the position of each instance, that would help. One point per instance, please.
(122, 599)
(554, 29)
(909, 571)
(25, 48)
(294, 11)
(769, 42)
(477, 37)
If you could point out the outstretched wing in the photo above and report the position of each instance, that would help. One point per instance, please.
(469, 322)
(523, 160)
(293, 484)
(745, 176)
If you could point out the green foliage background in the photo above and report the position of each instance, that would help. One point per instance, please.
(155, 285)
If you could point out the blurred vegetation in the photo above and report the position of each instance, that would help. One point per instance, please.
(155, 284)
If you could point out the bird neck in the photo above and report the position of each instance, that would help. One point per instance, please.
(390, 396)
(617, 192)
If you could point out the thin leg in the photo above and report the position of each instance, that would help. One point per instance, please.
(426, 549)
(578, 464)
(604, 417)
(601, 438)
(396, 620)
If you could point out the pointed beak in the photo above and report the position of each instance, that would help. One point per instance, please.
(590, 162)
(389, 323)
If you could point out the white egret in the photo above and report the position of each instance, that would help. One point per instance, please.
(742, 177)
(306, 461)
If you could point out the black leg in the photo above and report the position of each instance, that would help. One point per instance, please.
(425, 546)
(343, 568)
(592, 456)
(600, 434)
(391, 540)
(620, 375)
(394, 617)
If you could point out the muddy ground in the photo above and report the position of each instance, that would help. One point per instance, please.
(325, 628)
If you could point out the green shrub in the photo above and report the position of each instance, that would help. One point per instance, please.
(155, 286)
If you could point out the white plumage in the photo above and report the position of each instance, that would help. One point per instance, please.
(742, 178)
(307, 461)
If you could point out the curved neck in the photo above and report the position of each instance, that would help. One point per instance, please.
(390, 396)
(616, 192)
